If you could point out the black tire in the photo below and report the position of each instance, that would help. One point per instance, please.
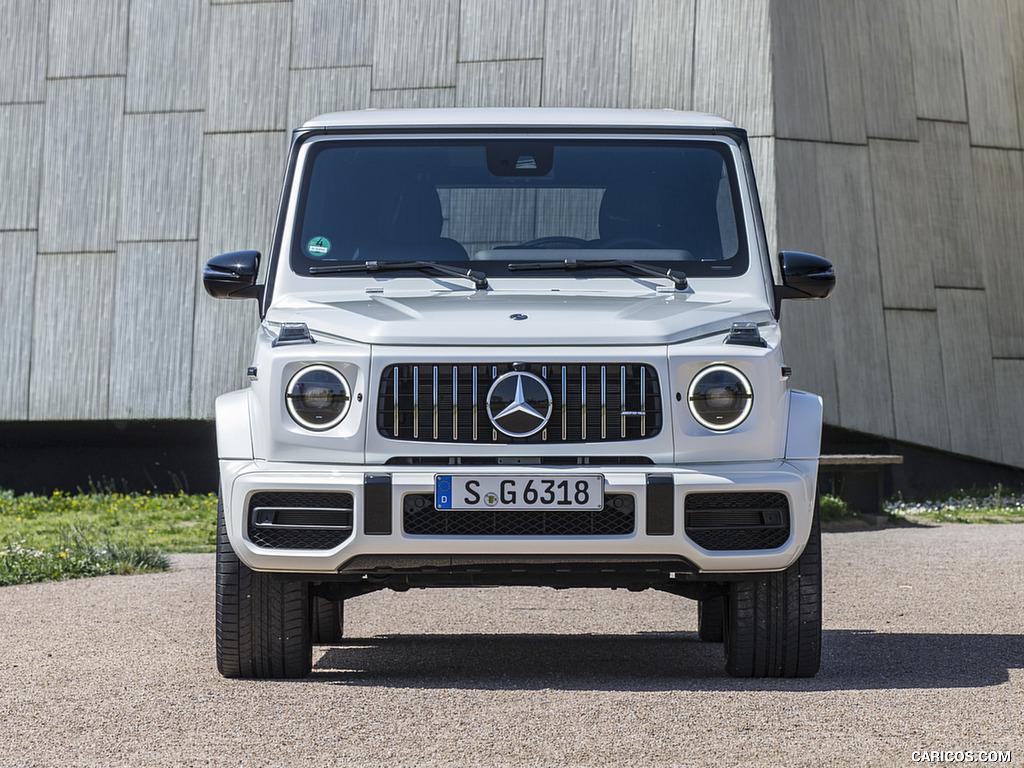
(711, 619)
(263, 625)
(327, 619)
(773, 623)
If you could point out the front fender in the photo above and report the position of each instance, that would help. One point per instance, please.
(803, 432)
(234, 428)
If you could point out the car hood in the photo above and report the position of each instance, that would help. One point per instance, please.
(517, 318)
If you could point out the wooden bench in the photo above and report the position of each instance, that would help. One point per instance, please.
(858, 479)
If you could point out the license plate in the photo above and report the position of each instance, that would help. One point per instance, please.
(566, 492)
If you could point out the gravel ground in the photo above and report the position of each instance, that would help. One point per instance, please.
(924, 650)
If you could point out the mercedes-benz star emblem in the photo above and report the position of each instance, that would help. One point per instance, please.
(519, 404)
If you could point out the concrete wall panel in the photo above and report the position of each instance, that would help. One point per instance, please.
(858, 327)
(71, 333)
(1015, 25)
(886, 69)
(160, 176)
(587, 54)
(492, 30)
(21, 126)
(167, 56)
(661, 65)
(809, 346)
(1010, 402)
(843, 78)
(988, 73)
(732, 63)
(997, 174)
(316, 91)
(968, 373)
(24, 51)
(938, 69)
(918, 386)
(951, 233)
(413, 98)
(87, 38)
(415, 44)
(499, 84)
(326, 33)
(798, 71)
(17, 294)
(80, 188)
(247, 86)
(901, 214)
(152, 331)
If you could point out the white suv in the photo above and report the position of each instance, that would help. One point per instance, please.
(518, 347)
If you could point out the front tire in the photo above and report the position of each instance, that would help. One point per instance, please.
(773, 624)
(263, 623)
(328, 621)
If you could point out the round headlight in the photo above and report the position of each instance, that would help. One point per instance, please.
(720, 397)
(318, 397)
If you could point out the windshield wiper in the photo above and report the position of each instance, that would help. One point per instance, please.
(479, 278)
(678, 278)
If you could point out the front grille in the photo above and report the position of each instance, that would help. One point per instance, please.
(591, 402)
(734, 521)
(420, 518)
(299, 520)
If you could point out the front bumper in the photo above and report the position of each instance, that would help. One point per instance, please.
(658, 533)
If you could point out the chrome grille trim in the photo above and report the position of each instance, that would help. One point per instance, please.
(604, 402)
(475, 391)
(455, 402)
(583, 397)
(396, 400)
(622, 403)
(434, 411)
(643, 403)
(588, 399)
(415, 403)
(565, 400)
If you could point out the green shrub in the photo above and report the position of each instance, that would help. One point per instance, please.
(833, 508)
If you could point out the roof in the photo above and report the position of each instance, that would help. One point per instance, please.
(540, 117)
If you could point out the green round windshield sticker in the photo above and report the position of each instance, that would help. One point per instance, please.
(318, 246)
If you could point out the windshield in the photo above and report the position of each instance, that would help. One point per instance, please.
(492, 203)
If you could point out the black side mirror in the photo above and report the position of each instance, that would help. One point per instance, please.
(233, 275)
(804, 276)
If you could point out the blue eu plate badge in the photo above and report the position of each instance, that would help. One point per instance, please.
(443, 492)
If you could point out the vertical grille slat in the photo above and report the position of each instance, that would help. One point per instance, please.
(455, 402)
(587, 400)
(622, 401)
(416, 403)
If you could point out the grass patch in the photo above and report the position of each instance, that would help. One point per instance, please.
(79, 553)
(63, 536)
(973, 505)
(166, 522)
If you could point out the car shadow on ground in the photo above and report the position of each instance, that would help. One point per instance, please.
(851, 660)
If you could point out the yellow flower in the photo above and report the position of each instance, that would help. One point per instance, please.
(63, 554)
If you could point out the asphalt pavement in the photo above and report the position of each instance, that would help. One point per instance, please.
(923, 653)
